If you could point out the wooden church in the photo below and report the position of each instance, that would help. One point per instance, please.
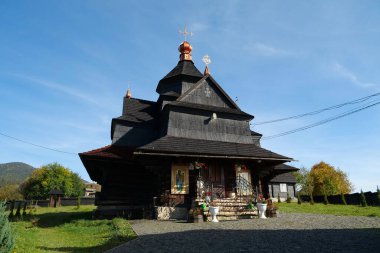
(192, 142)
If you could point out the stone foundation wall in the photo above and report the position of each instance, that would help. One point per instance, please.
(171, 213)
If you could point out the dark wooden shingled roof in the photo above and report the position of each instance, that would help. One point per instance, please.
(199, 147)
(139, 110)
(285, 167)
(284, 178)
(185, 70)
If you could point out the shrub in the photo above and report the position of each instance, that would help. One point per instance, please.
(311, 199)
(344, 202)
(78, 202)
(299, 201)
(363, 201)
(278, 198)
(7, 242)
(288, 199)
(325, 199)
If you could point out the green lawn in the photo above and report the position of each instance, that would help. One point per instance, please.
(371, 211)
(68, 229)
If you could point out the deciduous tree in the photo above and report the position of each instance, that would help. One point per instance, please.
(10, 192)
(50, 177)
(329, 180)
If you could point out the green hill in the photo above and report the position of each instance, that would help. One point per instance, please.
(14, 173)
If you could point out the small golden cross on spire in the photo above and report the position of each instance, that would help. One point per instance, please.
(185, 32)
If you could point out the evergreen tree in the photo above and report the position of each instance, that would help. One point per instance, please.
(325, 199)
(344, 202)
(288, 199)
(6, 234)
(78, 202)
(311, 199)
(363, 201)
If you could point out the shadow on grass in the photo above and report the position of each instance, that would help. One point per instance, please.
(111, 243)
(47, 220)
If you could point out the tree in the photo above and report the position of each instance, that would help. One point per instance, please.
(329, 180)
(363, 201)
(50, 177)
(7, 242)
(10, 192)
(378, 195)
(305, 183)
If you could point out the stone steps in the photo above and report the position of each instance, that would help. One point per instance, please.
(245, 212)
(232, 209)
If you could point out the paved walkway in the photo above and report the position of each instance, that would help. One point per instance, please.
(289, 233)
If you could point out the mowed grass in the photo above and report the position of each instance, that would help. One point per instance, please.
(69, 229)
(370, 211)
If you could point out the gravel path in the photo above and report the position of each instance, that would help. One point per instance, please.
(289, 233)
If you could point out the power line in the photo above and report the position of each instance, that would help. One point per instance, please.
(36, 145)
(356, 101)
(321, 122)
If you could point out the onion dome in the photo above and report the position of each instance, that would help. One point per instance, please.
(185, 50)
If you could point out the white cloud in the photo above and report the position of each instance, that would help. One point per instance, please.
(198, 27)
(349, 75)
(63, 88)
(268, 50)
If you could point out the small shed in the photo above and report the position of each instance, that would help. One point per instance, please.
(283, 183)
(55, 197)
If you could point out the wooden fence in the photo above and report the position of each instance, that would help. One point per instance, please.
(64, 202)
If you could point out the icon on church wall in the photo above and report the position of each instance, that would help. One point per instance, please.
(180, 179)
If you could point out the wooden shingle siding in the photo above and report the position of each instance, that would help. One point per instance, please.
(202, 127)
(207, 94)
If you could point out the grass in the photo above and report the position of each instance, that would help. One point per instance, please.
(370, 211)
(68, 229)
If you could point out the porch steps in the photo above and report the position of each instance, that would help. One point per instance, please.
(232, 209)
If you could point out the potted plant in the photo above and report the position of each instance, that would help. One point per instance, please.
(261, 206)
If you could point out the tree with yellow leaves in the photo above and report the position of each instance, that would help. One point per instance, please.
(329, 180)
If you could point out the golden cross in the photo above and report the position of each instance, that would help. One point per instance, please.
(185, 32)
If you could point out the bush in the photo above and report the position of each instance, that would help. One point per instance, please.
(344, 202)
(299, 201)
(325, 199)
(288, 199)
(7, 242)
(311, 199)
(78, 202)
(363, 201)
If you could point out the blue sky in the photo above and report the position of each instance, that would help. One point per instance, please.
(65, 67)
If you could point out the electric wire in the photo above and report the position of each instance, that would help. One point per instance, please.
(36, 145)
(355, 110)
(356, 101)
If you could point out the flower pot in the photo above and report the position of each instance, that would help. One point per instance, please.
(232, 195)
(262, 208)
(214, 210)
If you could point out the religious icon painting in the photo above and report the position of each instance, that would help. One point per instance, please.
(180, 179)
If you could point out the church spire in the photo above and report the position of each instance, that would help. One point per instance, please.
(206, 59)
(185, 48)
(129, 95)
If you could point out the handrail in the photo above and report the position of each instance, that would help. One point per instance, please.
(245, 189)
